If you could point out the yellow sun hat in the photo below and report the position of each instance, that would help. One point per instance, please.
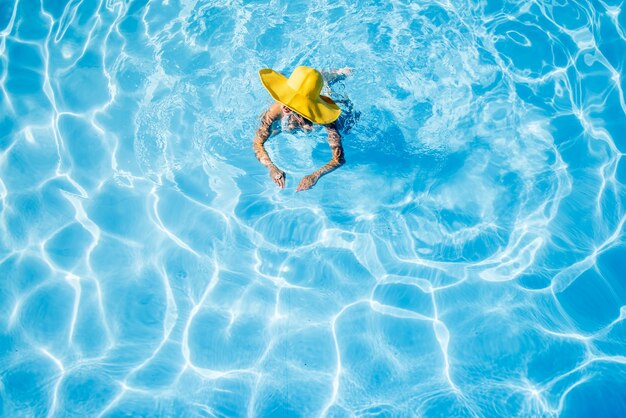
(301, 93)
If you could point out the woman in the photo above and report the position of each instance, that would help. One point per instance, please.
(298, 100)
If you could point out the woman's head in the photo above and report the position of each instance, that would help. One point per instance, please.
(298, 120)
(301, 91)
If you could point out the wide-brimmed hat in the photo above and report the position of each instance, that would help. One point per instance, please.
(301, 93)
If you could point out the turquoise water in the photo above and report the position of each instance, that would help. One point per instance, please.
(468, 260)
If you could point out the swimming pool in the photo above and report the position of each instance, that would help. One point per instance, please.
(468, 260)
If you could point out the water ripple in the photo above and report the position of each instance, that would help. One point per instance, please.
(467, 260)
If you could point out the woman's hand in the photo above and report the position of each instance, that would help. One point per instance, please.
(277, 176)
(307, 182)
(346, 71)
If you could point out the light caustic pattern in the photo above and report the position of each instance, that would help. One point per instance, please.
(468, 260)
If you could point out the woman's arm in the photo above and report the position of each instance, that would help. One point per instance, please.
(334, 140)
(262, 134)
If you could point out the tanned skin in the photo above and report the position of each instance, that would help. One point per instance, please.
(275, 112)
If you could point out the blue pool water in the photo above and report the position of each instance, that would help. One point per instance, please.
(469, 260)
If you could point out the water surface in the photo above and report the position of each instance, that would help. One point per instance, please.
(468, 260)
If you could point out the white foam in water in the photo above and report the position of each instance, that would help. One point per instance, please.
(467, 260)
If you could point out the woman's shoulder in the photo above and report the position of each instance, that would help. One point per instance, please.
(275, 110)
(271, 114)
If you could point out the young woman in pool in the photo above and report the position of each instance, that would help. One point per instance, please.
(300, 104)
